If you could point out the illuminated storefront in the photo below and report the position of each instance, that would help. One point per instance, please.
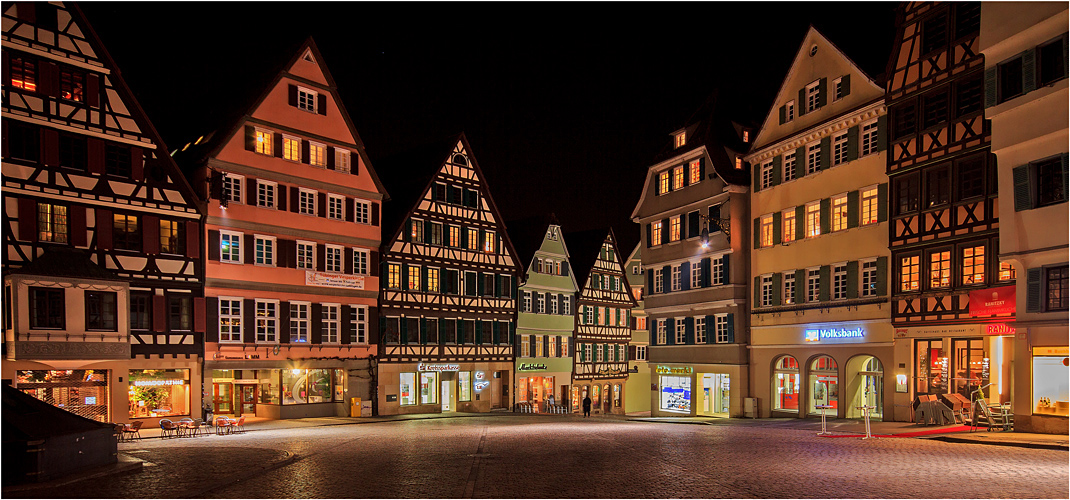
(407, 388)
(1051, 381)
(694, 390)
(262, 392)
(82, 392)
(536, 390)
(159, 393)
(965, 359)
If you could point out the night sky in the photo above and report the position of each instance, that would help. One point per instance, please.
(565, 104)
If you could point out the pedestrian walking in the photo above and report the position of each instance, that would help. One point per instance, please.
(586, 406)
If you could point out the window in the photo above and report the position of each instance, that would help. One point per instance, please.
(588, 315)
(813, 219)
(869, 206)
(766, 228)
(230, 247)
(694, 172)
(739, 163)
(551, 347)
(934, 34)
(306, 255)
(24, 142)
(358, 318)
(291, 148)
(52, 223)
(789, 288)
(265, 250)
(525, 346)
(488, 242)
(909, 279)
(940, 269)
(934, 109)
(869, 278)
(180, 313)
(717, 270)
(678, 178)
(813, 158)
(700, 329)
(906, 194)
(117, 160)
(721, 328)
(1010, 79)
(230, 316)
(681, 331)
(663, 182)
(264, 142)
(341, 160)
(232, 187)
(839, 212)
(1051, 62)
(662, 340)
(24, 74)
(674, 228)
(307, 203)
(140, 310)
(540, 303)
(973, 265)
(436, 233)
(869, 138)
(299, 322)
(640, 353)
(903, 117)
(317, 154)
(413, 278)
(789, 166)
(454, 236)
(333, 255)
(679, 139)
(839, 282)
(937, 186)
(336, 207)
(789, 111)
(813, 92)
(361, 209)
(306, 99)
(538, 346)
(126, 232)
(587, 352)
(553, 303)
(473, 238)
(527, 302)
(839, 149)
(813, 285)
(969, 96)
(1050, 182)
(837, 89)
(1007, 272)
(47, 308)
(767, 290)
(655, 232)
(967, 18)
(971, 177)
(659, 281)
(71, 84)
(393, 276)
(265, 193)
(100, 311)
(696, 275)
(1057, 278)
(360, 261)
(329, 323)
(675, 277)
(566, 305)
(73, 151)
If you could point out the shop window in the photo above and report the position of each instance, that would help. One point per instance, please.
(82, 392)
(294, 386)
(1051, 389)
(930, 367)
(616, 395)
(786, 384)
(824, 386)
(319, 386)
(968, 365)
(675, 393)
(269, 386)
(464, 386)
(159, 393)
(428, 387)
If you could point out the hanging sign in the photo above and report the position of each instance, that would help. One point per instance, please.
(334, 280)
(992, 301)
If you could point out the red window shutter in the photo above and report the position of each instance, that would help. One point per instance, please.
(159, 313)
(305, 156)
(250, 196)
(281, 205)
(375, 214)
(92, 91)
(250, 138)
(77, 219)
(321, 257)
(321, 204)
(250, 254)
(213, 245)
(373, 263)
(45, 80)
(293, 95)
(276, 145)
(137, 164)
(150, 234)
(193, 239)
(321, 104)
(53, 80)
(295, 199)
(199, 322)
(27, 219)
(104, 229)
(96, 155)
(50, 142)
(330, 157)
(348, 209)
(347, 260)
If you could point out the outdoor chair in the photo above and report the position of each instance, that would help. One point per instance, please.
(185, 427)
(119, 430)
(199, 427)
(239, 426)
(132, 429)
(169, 428)
(222, 425)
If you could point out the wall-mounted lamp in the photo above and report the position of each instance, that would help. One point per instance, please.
(901, 382)
(722, 224)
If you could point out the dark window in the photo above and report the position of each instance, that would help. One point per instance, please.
(432, 331)
(935, 110)
(449, 331)
(967, 18)
(937, 187)
(488, 285)
(126, 232)
(100, 312)
(140, 311)
(934, 34)
(392, 331)
(469, 333)
(412, 330)
(23, 141)
(179, 314)
(1050, 182)
(72, 85)
(1057, 281)
(72, 152)
(1052, 64)
(47, 308)
(24, 73)
(488, 333)
(172, 237)
(969, 96)
(971, 179)
(440, 192)
(117, 160)
(906, 194)
(905, 116)
(1010, 79)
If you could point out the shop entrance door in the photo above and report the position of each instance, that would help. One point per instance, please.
(222, 397)
(447, 396)
(248, 400)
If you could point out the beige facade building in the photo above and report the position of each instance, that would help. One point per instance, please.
(821, 340)
(1026, 98)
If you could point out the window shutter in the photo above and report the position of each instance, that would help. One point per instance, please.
(800, 104)
(702, 166)
(800, 222)
(852, 279)
(50, 146)
(76, 215)
(783, 114)
(564, 269)
(250, 192)
(757, 292)
(295, 199)
(28, 220)
(1033, 289)
(375, 214)
(664, 231)
(649, 243)
(95, 155)
(689, 330)
(348, 209)
(1023, 189)
(845, 84)
(800, 161)
(373, 263)
(826, 211)
(193, 239)
(92, 90)
(824, 287)
(1029, 71)
(882, 202)
(882, 276)
(159, 313)
(692, 225)
(321, 104)
(705, 263)
(321, 258)
(757, 234)
(685, 275)
(852, 209)
(306, 156)
(213, 244)
(281, 203)
(276, 145)
(137, 163)
(666, 279)
(479, 284)
(724, 269)
(464, 237)
(800, 286)
(292, 94)
(150, 234)
(882, 132)
(198, 315)
(330, 157)
(776, 228)
(650, 281)
(347, 260)
(852, 143)
(778, 171)
(250, 255)
(404, 276)
(345, 328)
(778, 280)
(822, 92)
(825, 156)
(757, 173)
(1064, 160)
(427, 231)
(250, 138)
(730, 323)
(211, 319)
(104, 229)
(992, 87)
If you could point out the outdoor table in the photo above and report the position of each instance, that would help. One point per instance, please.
(865, 415)
(824, 429)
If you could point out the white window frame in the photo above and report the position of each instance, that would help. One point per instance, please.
(269, 246)
(540, 303)
(309, 262)
(640, 353)
(307, 99)
(662, 335)
(767, 174)
(525, 346)
(234, 187)
(789, 288)
(361, 258)
(538, 346)
(839, 149)
(310, 207)
(296, 322)
(527, 302)
(839, 281)
(332, 256)
(678, 177)
(716, 270)
(813, 284)
(270, 323)
(721, 328)
(868, 276)
(700, 329)
(336, 207)
(553, 304)
(867, 143)
(813, 158)
(694, 172)
(766, 226)
(317, 154)
(787, 225)
(265, 142)
(358, 318)
(234, 236)
(789, 110)
(599, 354)
(838, 208)
(587, 353)
(790, 164)
(330, 329)
(267, 193)
(869, 205)
(766, 288)
(232, 303)
(813, 96)
(342, 160)
(362, 211)
(680, 331)
(659, 281)
(566, 304)
(696, 275)
(675, 280)
(813, 219)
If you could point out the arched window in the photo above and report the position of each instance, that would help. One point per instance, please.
(824, 386)
(786, 384)
(459, 159)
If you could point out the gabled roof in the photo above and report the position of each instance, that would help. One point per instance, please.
(715, 125)
(584, 248)
(64, 262)
(528, 235)
(408, 174)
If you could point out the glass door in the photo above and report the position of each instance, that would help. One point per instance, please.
(223, 397)
(248, 400)
(447, 396)
(968, 359)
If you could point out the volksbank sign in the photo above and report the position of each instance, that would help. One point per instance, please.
(835, 334)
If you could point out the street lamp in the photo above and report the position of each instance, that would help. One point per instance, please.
(722, 224)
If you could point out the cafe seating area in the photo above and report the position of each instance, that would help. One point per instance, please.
(182, 428)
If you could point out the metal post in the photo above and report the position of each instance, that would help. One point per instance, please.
(824, 429)
(865, 415)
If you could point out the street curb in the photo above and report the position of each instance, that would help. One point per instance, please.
(1017, 444)
(125, 463)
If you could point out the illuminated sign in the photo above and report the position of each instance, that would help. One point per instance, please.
(673, 370)
(334, 280)
(438, 367)
(530, 367)
(481, 382)
(992, 301)
(999, 329)
(834, 333)
(153, 383)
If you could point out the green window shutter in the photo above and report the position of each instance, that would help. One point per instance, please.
(800, 104)
(991, 87)
(776, 228)
(685, 275)
(479, 333)
(882, 276)
(757, 173)
(705, 272)
(731, 324)
(403, 328)
(479, 285)
(724, 269)
(845, 84)
(783, 114)
(825, 285)
(826, 154)
(1033, 289)
(757, 292)
(407, 232)
(852, 143)
(882, 132)
(702, 167)
(852, 279)
(666, 279)
(664, 231)
(778, 280)
(822, 92)
(689, 330)
(852, 209)
(423, 278)
(778, 172)
(423, 330)
(404, 276)
(427, 231)
(882, 202)
(464, 237)
(826, 210)
(1023, 189)
(800, 286)
(800, 222)
(649, 242)
(757, 236)
(1029, 83)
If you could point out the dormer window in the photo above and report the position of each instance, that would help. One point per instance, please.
(790, 110)
(746, 136)
(679, 139)
(812, 100)
(739, 163)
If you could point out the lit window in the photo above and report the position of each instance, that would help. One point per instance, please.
(473, 238)
(361, 210)
(839, 149)
(306, 255)
(299, 322)
(454, 236)
(787, 232)
(677, 178)
(172, 237)
(307, 203)
(812, 92)
(230, 247)
(264, 142)
(674, 228)
(306, 99)
(433, 279)
(680, 139)
(488, 242)
(1057, 279)
(813, 219)
(767, 290)
(767, 230)
(746, 136)
(291, 148)
(1006, 271)
(52, 223)
(663, 182)
(909, 271)
(265, 194)
(264, 249)
(413, 278)
(869, 206)
(317, 154)
(839, 213)
(126, 231)
(869, 138)
(360, 261)
(813, 158)
(767, 174)
(266, 321)
(341, 160)
(940, 269)
(973, 265)
(329, 323)
(789, 287)
(333, 254)
(393, 276)
(739, 163)
(694, 174)
(839, 282)
(789, 166)
(23, 74)
(655, 233)
(813, 285)
(869, 278)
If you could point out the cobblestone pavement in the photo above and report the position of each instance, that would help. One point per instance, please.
(569, 457)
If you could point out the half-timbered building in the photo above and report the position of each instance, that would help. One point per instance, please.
(448, 301)
(947, 276)
(293, 235)
(103, 277)
(603, 322)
